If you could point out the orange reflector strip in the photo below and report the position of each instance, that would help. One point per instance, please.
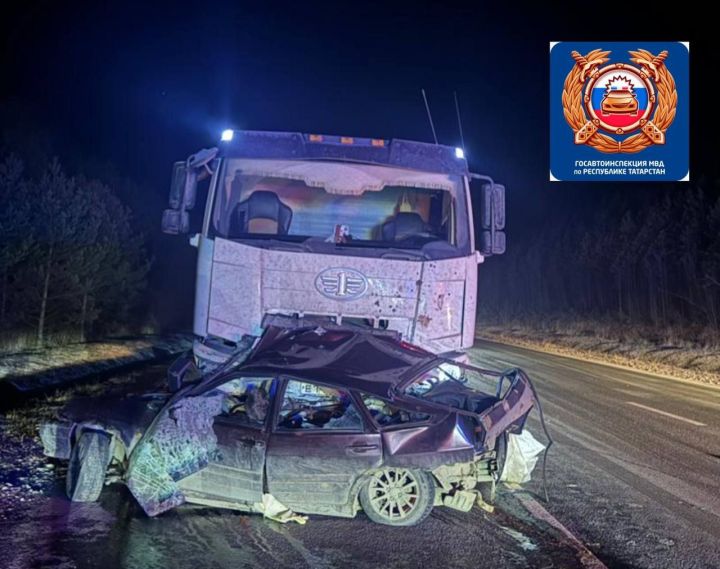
(316, 138)
(346, 140)
(377, 142)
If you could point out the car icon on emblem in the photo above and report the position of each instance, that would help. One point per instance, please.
(341, 284)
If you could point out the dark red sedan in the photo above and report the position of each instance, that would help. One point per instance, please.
(323, 419)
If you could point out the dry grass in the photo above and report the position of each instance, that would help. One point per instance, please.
(22, 422)
(692, 354)
(50, 365)
(12, 341)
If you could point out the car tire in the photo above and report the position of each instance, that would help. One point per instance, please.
(487, 489)
(89, 460)
(398, 496)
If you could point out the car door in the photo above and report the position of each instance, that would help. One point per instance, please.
(319, 448)
(234, 474)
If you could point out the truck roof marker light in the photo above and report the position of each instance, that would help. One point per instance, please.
(227, 135)
(459, 153)
(316, 138)
(346, 140)
(377, 142)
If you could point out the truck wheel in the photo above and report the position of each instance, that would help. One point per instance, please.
(398, 496)
(89, 460)
(487, 489)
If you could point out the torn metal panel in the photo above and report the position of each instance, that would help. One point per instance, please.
(56, 439)
(513, 407)
(462, 500)
(181, 443)
(457, 484)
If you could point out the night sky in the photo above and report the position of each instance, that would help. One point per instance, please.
(142, 86)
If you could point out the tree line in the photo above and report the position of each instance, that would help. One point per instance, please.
(652, 262)
(71, 257)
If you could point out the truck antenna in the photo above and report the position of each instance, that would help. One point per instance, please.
(427, 108)
(457, 111)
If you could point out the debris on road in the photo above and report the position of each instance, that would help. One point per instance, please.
(523, 451)
(273, 509)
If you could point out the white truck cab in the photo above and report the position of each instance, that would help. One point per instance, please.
(368, 232)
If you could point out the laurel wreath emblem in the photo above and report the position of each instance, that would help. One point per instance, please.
(586, 130)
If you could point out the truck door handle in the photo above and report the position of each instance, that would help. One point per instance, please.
(360, 449)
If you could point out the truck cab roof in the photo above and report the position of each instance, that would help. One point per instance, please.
(413, 155)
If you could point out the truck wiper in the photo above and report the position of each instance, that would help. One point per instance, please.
(278, 245)
(404, 254)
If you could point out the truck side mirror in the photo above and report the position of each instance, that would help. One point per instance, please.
(492, 219)
(177, 184)
(175, 221)
(492, 206)
(183, 189)
(492, 243)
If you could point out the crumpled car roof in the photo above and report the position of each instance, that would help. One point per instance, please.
(354, 359)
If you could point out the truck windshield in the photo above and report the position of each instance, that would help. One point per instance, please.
(353, 205)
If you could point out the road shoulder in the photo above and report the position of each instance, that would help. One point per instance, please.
(634, 364)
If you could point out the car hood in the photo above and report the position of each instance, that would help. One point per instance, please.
(127, 417)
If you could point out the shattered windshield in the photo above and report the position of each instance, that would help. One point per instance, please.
(347, 205)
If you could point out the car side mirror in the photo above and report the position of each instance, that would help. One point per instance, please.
(492, 219)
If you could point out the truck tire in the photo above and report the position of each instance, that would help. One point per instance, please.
(398, 496)
(89, 460)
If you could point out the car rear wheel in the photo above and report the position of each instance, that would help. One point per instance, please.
(398, 496)
(89, 460)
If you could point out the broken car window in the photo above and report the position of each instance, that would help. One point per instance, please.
(387, 414)
(453, 385)
(310, 406)
(247, 399)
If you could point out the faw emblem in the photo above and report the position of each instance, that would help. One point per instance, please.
(619, 108)
(341, 284)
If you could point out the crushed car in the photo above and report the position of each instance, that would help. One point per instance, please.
(317, 419)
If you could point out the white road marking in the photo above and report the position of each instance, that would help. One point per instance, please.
(587, 557)
(633, 393)
(672, 415)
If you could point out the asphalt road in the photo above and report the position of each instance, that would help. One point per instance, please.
(635, 472)
(634, 475)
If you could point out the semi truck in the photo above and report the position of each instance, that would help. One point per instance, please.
(364, 232)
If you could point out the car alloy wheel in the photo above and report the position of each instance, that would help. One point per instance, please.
(394, 494)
